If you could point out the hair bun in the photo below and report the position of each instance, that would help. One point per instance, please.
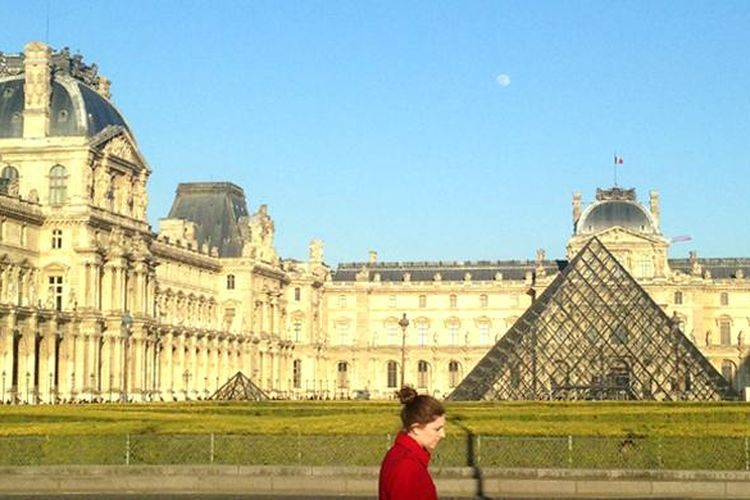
(406, 395)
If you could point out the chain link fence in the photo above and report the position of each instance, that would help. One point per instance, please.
(567, 452)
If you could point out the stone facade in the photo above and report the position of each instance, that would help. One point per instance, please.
(95, 306)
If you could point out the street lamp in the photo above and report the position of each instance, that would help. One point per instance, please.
(403, 323)
(186, 378)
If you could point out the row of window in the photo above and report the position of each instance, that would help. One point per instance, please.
(392, 374)
(58, 180)
(723, 298)
(452, 301)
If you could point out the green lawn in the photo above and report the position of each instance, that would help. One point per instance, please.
(345, 418)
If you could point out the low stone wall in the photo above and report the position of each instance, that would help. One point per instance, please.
(362, 481)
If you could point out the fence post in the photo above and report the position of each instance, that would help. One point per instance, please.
(212, 448)
(747, 453)
(570, 450)
(127, 449)
(659, 462)
(299, 447)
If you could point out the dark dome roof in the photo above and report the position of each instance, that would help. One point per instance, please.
(75, 109)
(610, 213)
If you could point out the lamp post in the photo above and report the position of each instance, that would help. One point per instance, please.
(403, 323)
(186, 378)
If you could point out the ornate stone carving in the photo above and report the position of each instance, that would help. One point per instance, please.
(121, 147)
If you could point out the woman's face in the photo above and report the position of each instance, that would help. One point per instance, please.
(429, 435)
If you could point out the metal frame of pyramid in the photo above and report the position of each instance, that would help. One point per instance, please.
(594, 333)
(239, 388)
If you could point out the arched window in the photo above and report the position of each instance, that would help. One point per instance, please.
(454, 373)
(728, 370)
(392, 369)
(342, 378)
(230, 281)
(297, 373)
(423, 374)
(9, 172)
(58, 179)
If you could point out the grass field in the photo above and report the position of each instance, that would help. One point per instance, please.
(581, 419)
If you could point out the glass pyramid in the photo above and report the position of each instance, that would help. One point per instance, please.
(594, 333)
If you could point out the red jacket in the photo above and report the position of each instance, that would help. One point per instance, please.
(404, 474)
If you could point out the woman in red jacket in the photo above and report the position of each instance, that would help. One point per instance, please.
(403, 473)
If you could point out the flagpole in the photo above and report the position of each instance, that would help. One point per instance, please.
(615, 167)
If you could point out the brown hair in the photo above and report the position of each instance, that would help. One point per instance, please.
(418, 408)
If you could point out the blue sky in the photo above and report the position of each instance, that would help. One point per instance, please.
(384, 125)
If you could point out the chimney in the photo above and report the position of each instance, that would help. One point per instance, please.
(373, 257)
(654, 206)
(37, 88)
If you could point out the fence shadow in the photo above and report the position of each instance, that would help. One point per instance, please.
(471, 461)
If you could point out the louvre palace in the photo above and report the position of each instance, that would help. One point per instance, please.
(96, 306)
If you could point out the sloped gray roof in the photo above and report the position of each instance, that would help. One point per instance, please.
(216, 209)
(448, 270)
(720, 268)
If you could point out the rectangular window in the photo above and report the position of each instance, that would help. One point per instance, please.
(56, 292)
(392, 334)
(453, 334)
(343, 333)
(297, 374)
(453, 301)
(230, 282)
(483, 301)
(423, 301)
(724, 299)
(392, 301)
(484, 334)
(297, 294)
(678, 298)
(342, 301)
(297, 326)
(725, 330)
(56, 239)
(392, 374)
(422, 333)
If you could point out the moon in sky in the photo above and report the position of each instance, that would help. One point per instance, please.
(503, 80)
